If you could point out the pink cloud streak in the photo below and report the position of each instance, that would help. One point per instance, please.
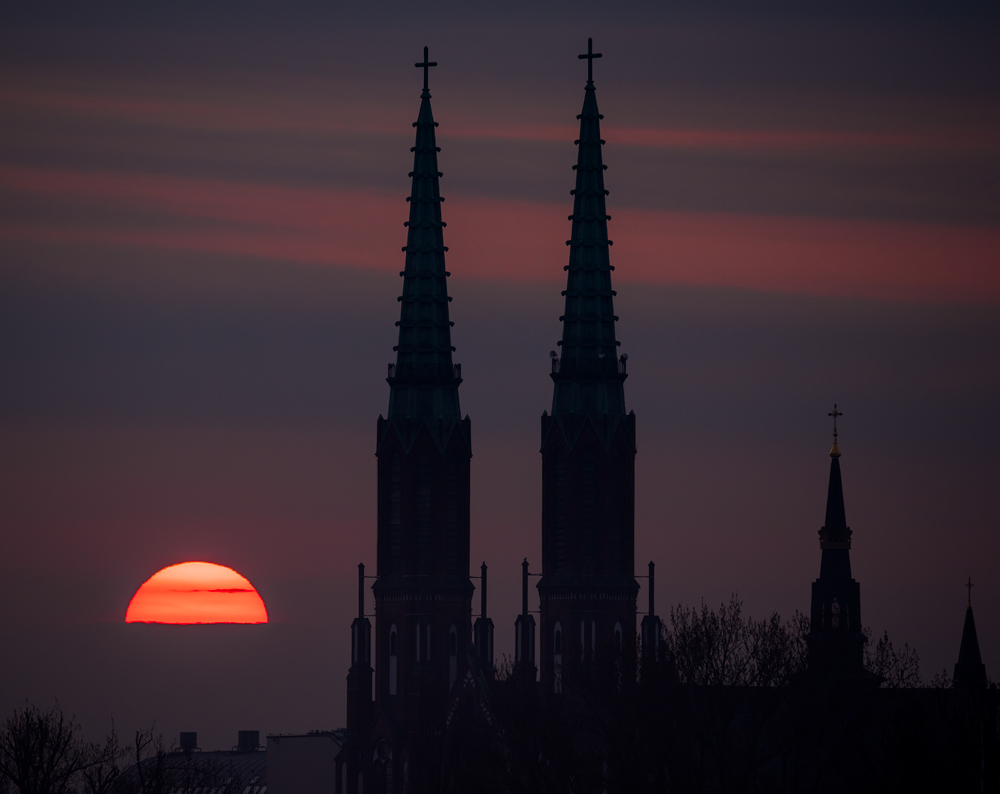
(523, 241)
(275, 114)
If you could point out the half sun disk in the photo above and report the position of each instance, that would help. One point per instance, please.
(196, 592)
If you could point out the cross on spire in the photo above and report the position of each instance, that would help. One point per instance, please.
(590, 55)
(969, 586)
(835, 413)
(426, 66)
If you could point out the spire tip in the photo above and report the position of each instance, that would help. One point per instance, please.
(835, 450)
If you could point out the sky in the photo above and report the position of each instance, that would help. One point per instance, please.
(202, 215)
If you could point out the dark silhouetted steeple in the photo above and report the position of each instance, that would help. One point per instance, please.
(424, 381)
(588, 590)
(836, 642)
(588, 375)
(423, 595)
(970, 670)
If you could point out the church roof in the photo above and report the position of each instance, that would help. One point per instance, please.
(424, 381)
(588, 375)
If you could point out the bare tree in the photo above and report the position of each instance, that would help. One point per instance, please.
(102, 768)
(897, 669)
(39, 751)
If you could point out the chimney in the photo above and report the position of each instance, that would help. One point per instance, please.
(189, 742)
(249, 742)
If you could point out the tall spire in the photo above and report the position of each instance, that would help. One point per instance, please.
(587, 592)
(588, 375)
(970, 669)
(835, 535)
(424, 381)
(836, 641)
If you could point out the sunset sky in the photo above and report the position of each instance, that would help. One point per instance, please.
(202, 215)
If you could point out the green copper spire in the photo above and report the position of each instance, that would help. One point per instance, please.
(589, 376)
(424, 381)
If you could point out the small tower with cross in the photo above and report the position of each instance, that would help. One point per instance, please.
(836, 641)
(970, 672)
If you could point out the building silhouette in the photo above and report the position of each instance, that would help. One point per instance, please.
(836, 640)
(423, 697)
(587, 592)
(423, 594)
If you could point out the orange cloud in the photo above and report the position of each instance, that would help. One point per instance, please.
(509, 240)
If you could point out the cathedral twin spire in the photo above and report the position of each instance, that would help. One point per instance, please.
(588, 374)
(424, 381)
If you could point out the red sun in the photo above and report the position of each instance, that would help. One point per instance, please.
(196, 592)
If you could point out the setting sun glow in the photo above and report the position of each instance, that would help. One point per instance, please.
(196, 592)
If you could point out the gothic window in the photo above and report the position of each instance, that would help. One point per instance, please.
(393, 664)
(588, 512)
(618, 638)
(425, 550)
(451, 544)
(452, 656)
(835, 614)
(617, 516)
(382, 767)
(395, 502)
(559, 517)
(557, 657)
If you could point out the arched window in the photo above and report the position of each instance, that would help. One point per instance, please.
(425, 535)
(835, 614)
(452, 544)
(588, 513)
(395, 500)
(393, 665)
(559, 519)
(618, 638)
(557, 657)
(452, 656)
(382, 767)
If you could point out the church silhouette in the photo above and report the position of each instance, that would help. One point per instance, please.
(423, 684)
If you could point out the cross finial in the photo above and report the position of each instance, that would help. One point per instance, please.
(969, 587)
(835, 413)
(590, 59)
(425, 66)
